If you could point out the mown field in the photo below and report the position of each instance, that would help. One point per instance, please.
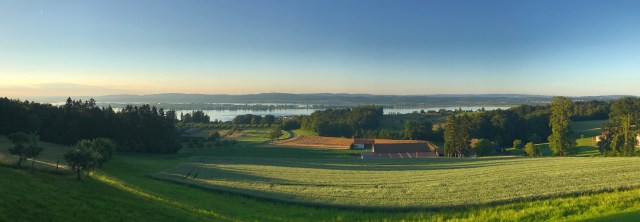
(415, 183)
(124, 190)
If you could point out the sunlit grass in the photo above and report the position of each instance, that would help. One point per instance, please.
(259, 135)
(415, 183)
(124, 191)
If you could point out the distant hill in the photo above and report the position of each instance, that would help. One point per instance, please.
(340, 99)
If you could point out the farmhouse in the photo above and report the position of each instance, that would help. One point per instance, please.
(400, 150)
(360, 144)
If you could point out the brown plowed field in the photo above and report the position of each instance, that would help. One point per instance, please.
(334, 142)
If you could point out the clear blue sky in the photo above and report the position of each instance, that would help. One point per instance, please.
(355, 46)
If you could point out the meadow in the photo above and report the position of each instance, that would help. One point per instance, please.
(408, 184)
(125, 190)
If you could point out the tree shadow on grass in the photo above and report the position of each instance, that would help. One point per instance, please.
(194, 171)
(421, 164)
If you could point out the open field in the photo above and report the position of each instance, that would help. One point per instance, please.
(123, 188)
(399, 183)
(305, 132)
(320, 141)
(255, 135)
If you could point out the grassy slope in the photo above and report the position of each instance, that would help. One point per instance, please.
(123, 189)
(258, 135)
(124, 184)
(46, 197)
(414, 183)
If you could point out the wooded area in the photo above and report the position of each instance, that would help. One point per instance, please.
(135, 128)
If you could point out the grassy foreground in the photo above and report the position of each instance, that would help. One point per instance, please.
(123, 190)
(410, 183)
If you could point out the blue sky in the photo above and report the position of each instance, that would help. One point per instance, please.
(302, 46)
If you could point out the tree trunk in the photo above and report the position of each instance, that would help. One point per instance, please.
(33, 160)
(20, 161)
(78, 173)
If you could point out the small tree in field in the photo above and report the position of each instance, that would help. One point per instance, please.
(76, 161)
(89, 154)
(34, 149)
(105, 148)
(20, 141)
(517, 144)
(25, 146)
(532, 150)
(275, 133)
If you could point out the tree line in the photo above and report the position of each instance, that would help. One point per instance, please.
(254, 119)
(536, 124)
(499, 128)
(134, 128)
(342, 122)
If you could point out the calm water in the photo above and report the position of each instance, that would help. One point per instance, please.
(226, 115)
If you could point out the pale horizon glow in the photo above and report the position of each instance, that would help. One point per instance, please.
(80, 48)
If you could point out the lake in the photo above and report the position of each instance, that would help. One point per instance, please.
(227, 115)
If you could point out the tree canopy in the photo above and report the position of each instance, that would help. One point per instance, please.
(134, 128)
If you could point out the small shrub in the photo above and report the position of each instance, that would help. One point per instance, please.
(532, 150)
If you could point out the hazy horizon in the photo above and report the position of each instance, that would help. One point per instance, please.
(81, 48)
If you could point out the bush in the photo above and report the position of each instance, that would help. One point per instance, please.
(532, 150)
(517, 144)
(484, 147)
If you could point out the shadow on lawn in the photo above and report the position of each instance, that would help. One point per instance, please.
(421, 164)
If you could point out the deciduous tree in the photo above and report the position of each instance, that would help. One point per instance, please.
(560, 140)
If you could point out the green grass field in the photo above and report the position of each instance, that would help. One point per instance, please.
(305, 132)
(414, 183)
(124, 189)
(258, 135)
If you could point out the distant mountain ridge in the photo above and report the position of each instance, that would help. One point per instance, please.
(343, 99)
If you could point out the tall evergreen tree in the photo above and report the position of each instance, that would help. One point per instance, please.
(456, 136)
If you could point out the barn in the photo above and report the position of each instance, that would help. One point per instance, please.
(400, 150)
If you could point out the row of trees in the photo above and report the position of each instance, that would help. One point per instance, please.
(134, 128)
(254, 119)
(500, 128)
(87, 154)
(343, 122)
(25, 146)
(196, 116)
(532, 123)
